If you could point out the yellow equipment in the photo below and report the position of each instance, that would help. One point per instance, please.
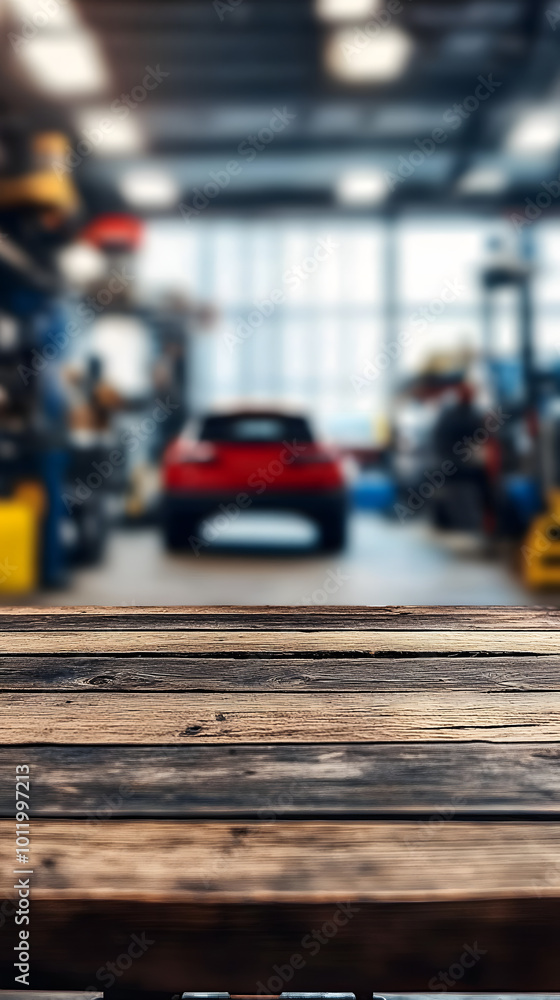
(19, 546)
(541, 549)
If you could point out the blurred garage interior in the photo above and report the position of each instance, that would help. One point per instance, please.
(344, 212)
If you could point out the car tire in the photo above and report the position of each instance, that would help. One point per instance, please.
(334, 531)
(176, 532)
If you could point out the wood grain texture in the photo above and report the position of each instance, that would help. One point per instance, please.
(291, 861)
(112, 717)
(282, 618)
(394, 947)
(278, 782)
(290, 674)
(215, 643)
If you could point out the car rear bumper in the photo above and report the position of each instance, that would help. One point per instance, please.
(316, 504)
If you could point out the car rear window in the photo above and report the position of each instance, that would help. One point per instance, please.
(255, 429)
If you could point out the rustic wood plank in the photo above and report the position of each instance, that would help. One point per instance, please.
(280, 642)
(366, 673)
(282, 618)
(278, 782)
(291, 861)
(279, 718)
(395, 947)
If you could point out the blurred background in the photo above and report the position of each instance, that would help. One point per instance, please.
(339, 216)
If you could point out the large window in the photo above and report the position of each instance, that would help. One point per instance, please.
(304, 304)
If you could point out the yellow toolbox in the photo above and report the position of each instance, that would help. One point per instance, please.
(19, 546)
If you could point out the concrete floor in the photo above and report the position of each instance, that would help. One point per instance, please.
(385, 563)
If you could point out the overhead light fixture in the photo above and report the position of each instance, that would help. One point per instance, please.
(40, 14)
(483, 180)
(355, 57)
(537, 132)
(66, 64)
(361, 187)
(110, 136)
(345, 10)
(149, 189)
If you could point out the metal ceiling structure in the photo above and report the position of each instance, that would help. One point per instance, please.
(231, 64)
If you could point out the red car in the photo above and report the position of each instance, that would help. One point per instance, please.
(251, 460)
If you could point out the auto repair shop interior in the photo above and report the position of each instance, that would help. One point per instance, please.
(279, 302)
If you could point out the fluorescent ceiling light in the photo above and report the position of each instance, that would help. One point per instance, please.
(345, 10)
(42, 15)
(483, 180)
(110, 136)
(536, 132)
(149, 189)
(361, 187)
(356, 58)
(65, 64)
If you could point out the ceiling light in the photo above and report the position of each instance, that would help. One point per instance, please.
(536, 132)
(111, 136)
(40, 14)
(483, 180)
(345, 10)
(149, 189)
(64, 65)
(361, 187)
(356, 57)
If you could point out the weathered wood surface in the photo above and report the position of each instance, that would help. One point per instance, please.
(439, 782)
(138, 718)
(223, 780)
(290, 674)
(397, 947)
(291, 861)
(281, 618)
(288, 642)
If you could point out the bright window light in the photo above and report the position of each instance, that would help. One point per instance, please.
(483, 180)
(536, 132)
(345, 10)
(361, 187)
(149, 189)
(110, 136)
(65, 65)
(356, 57)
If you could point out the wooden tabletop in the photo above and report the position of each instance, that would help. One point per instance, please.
(373, 791)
